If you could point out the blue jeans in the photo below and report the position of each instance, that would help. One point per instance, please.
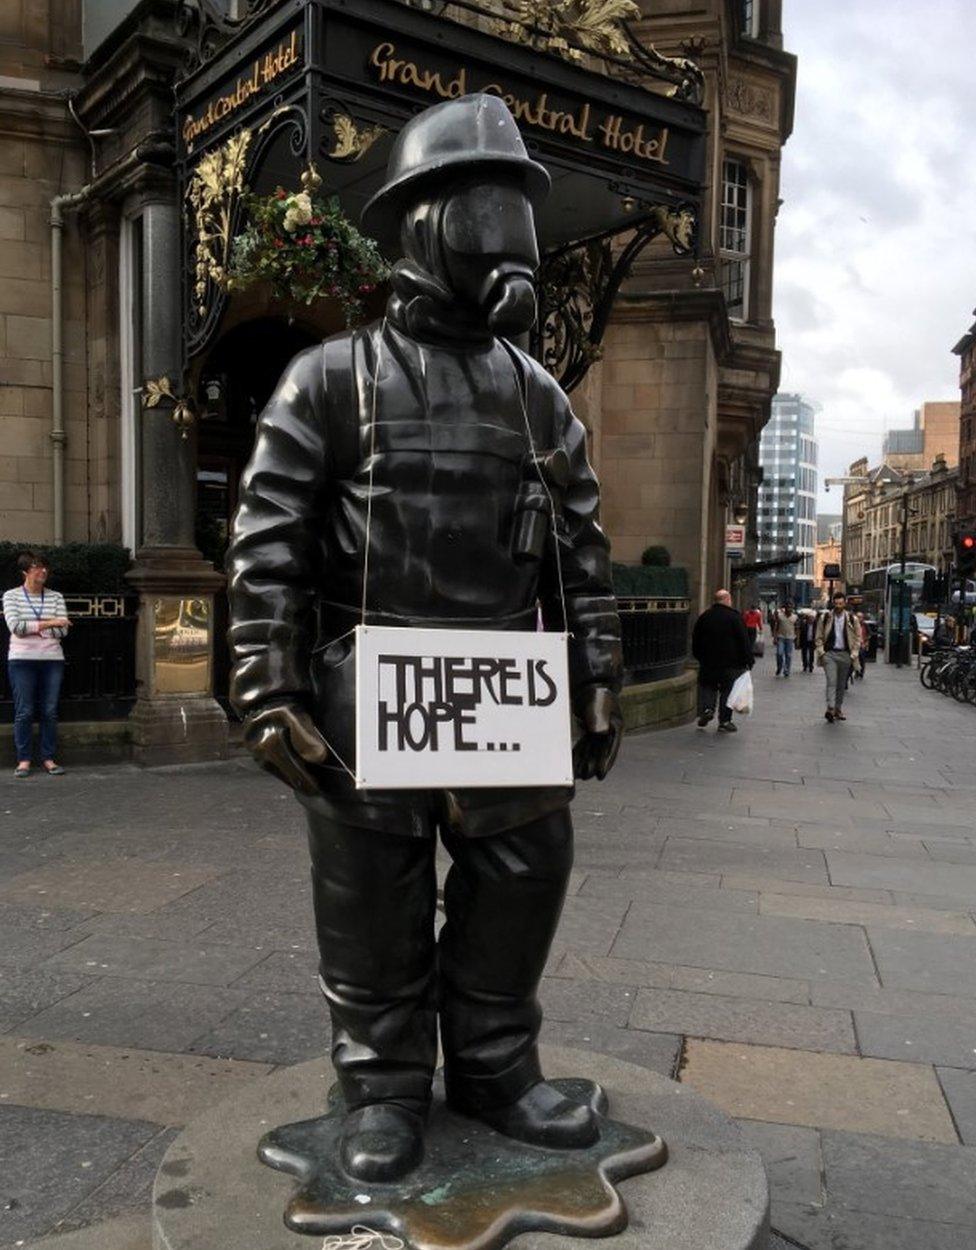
(784, 655)
(36, 686)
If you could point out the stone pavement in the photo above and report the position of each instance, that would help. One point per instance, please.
(784, 918)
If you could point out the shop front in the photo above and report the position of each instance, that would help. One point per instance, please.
(305, 97)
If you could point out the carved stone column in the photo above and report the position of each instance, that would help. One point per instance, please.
(176, 717)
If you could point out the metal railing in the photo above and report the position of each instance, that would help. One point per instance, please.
(654, 632)
(100, 660)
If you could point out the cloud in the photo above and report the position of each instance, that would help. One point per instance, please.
(876, 239)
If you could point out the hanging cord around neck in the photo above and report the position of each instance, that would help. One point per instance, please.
(372, 460)
(520, 381)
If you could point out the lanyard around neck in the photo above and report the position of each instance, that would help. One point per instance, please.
(38, 613)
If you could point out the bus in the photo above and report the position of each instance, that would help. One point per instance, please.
(883, 598)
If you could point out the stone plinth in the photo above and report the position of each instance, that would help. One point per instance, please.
(212, 1193)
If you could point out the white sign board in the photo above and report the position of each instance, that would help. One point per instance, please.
(461, 708)
(735, 538)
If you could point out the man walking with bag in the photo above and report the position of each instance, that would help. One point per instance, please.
(838, 646)
(720, 644)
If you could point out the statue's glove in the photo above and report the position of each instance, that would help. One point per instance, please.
(598, 731)
(283, 739)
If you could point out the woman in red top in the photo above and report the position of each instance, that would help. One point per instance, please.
(753, 622)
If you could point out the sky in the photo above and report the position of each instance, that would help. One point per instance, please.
(875, 271)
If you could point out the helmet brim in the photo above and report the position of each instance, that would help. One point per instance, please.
(383, 213)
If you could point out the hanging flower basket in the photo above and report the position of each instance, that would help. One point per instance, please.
(304, 246)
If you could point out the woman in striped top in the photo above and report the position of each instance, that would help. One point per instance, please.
(37, 619)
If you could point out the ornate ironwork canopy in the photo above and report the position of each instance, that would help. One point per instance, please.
(330, 81)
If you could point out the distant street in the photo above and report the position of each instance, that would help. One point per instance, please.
(784, 917)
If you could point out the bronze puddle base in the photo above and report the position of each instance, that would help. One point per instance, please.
(474, 1190)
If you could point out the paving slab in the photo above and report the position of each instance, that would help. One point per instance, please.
(959, 1088)
(925, 961)
(880, 915)
(896, 1100)
(804, 889)
(128, 1190)
(155, 1015)
(30, 916)
(658, 1052)
(26, 991)
(917, 1038)
(121, 885)
(910, 1180)
(589, 925)
(126, 1232)
(54, 1160)
(630, 972)
(854, 840)
(741, 985)
(836, 1228)
(916, 876)
(642, 886)
(270, 1028)
(744, 1020)
(24, 947)
(155, 959)
(573, 1000)
(284, 972)
(709, 855)
(889, 1002)
(122, 1082)
(765, 944)
(792, 1158)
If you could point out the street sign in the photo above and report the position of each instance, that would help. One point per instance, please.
(832, 572)
(735, 539)
(455, 708)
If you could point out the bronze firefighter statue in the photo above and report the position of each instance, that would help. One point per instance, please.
(433, 436)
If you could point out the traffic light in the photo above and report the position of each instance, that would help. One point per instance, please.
(966, 553)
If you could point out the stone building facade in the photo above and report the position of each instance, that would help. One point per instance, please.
(965, 349)
(873, 518)
(690, 365)
(674, 407)
(934, 432)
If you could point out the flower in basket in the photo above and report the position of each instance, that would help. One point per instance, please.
(304, 246)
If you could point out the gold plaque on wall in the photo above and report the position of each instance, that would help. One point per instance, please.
(181, 645)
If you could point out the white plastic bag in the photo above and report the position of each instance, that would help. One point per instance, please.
(740, 696)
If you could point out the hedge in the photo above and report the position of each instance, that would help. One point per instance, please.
(76, 568)
(650, 581)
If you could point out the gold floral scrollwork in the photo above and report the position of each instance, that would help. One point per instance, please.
(215, 185)
(557, 25)
(156, 389)
(352, 141)
(677, 225)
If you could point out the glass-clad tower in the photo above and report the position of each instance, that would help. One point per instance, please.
(787, 513)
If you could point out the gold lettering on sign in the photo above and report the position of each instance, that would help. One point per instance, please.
(392, 69)
(261, 72)
(612, 133)
(616, 137)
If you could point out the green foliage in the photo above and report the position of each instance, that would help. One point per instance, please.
(649, 581)
(306, 248)
(76, 568)
(658, 557)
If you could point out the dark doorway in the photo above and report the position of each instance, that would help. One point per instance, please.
(236, 382)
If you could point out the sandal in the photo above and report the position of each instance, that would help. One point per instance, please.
(22, 772)
(53, 770)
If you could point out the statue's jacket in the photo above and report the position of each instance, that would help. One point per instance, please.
(438, 436)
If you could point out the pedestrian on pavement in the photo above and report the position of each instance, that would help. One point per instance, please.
(784, 637)
(865, 644)
(753, 622)
(37, 619)
(838, 646)
(806, 631)
(720, 644)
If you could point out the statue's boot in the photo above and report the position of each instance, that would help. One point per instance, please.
(542, 1116)
(380, 1143)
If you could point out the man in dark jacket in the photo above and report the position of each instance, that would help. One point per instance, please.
(425, 472)
(720, 644)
